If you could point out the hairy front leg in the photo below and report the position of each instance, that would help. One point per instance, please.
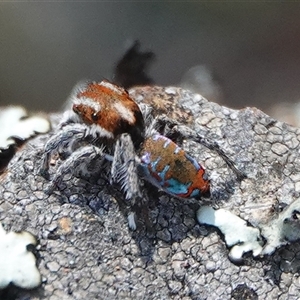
(125, 172)
(124, 168)
(78, 163)
(64, 143)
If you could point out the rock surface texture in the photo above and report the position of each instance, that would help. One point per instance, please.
(86, 250)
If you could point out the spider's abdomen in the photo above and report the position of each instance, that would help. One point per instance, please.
(170, 168)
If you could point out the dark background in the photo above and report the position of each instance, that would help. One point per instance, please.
(252, 50)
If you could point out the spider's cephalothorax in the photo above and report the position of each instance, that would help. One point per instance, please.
(110, 108)
(105, 117)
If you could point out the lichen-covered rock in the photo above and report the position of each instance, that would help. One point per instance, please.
(87, 251)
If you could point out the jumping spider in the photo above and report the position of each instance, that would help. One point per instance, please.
(107, 124)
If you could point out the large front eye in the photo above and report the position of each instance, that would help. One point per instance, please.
(76, 109)
(95, 117)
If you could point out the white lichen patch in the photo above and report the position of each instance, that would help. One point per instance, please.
(17, 264)
(238, 235)
(15, 122)
(283, 229)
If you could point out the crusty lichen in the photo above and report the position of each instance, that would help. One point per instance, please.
(15, 122)
(283, 229)
(17, 264)
(244, 238)
(238, 235)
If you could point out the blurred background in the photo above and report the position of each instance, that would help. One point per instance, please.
(237, 54)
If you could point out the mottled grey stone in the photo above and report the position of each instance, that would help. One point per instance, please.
(53, 266)
(174, 287)
(210, 266)
(279, 148)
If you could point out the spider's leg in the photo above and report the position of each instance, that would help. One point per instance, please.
(215, 147)
(171, 127)
(124, 168)
(77, 163)
(124, 171)
(63, 142)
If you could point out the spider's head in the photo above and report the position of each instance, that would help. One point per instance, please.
(110, 109)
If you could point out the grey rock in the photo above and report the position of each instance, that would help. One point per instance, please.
(93, 255)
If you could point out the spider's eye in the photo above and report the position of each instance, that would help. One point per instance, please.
(76, 109)
(95, 117)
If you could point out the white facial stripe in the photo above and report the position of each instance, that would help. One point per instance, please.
(124, 112)
(101, 131)
(111, 87)
(70, 116)
(87, 102)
